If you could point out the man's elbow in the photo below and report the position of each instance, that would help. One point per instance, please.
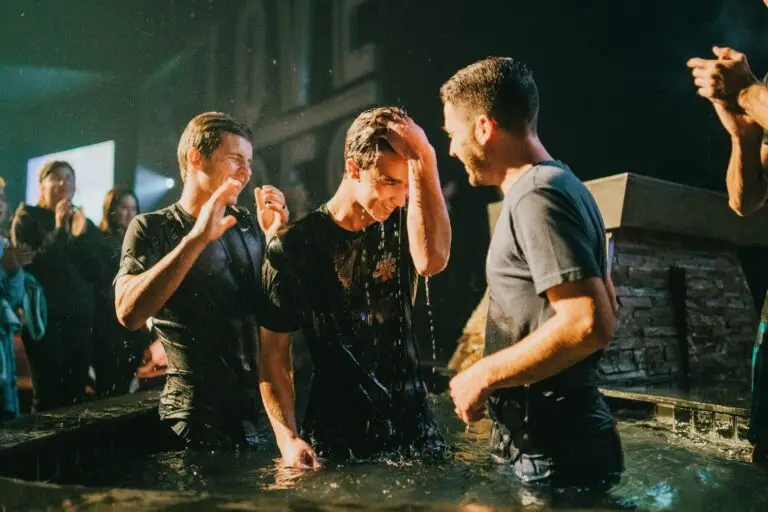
(433, 265)
(128, 319)
(594, 331)
(744, 209)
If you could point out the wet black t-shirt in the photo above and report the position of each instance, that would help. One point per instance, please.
(352, 293)
(209, 325)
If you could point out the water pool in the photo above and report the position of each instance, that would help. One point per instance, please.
(664, 472)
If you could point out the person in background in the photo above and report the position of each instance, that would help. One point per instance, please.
(741, 103)
(117, 351)
(12, 259)
(66, 263)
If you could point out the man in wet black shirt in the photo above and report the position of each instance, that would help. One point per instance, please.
(347, 275)
(194, 269)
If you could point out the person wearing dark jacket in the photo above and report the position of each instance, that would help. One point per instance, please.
(117, 351)
(66, 265)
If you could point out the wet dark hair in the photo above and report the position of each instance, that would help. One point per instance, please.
(111, 200)
(204, 133)
(47, 168)
(499, 87)
(366, 135)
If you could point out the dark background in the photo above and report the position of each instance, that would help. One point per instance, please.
(616, 95)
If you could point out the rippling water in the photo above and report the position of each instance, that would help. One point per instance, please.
(664, 472)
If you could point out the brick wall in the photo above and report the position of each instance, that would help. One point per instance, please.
(719, 318)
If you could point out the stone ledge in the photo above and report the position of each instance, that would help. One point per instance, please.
(659, 398)
(42, 425)
(47, 446)
(634, 201)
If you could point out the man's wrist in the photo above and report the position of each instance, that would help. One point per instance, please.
(193, 242)
(748, 140)
(748, 95)
(486, 375)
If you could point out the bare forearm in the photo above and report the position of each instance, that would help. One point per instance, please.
(754, 101)
(745, 180)
(276, 386)
(557, 344)
(140, 297)
(429, 227)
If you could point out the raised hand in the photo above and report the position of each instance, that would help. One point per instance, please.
(63, 213)
(408, 139)
(211, 224)
(271, 210)
(721, 80)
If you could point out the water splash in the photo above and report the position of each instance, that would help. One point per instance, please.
(431, 324)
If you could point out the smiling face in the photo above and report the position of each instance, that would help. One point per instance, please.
(57, 185)
(464, 145)
(382, 188)
(232, 159)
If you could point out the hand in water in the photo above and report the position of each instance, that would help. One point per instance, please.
(299, 454)
(211, 223)
(271, 210)
(469, 394)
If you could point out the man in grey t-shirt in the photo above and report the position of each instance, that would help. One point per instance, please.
(552, 307)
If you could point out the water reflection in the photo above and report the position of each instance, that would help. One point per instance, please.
(664, 472)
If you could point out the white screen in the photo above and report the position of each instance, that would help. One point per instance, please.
(94, 175)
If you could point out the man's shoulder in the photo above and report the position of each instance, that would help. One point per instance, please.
(557, 182)
(296, 239)
(155, 218)
(151, 224)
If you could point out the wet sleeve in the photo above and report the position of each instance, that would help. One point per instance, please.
(553, 239)
(280, 312)
(138, 254)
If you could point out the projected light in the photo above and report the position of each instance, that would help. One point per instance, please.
(94, 174)
(151, 186)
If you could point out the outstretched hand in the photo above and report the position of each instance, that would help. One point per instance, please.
(211, 224)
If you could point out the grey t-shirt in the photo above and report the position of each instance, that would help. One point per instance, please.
(549, 232)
